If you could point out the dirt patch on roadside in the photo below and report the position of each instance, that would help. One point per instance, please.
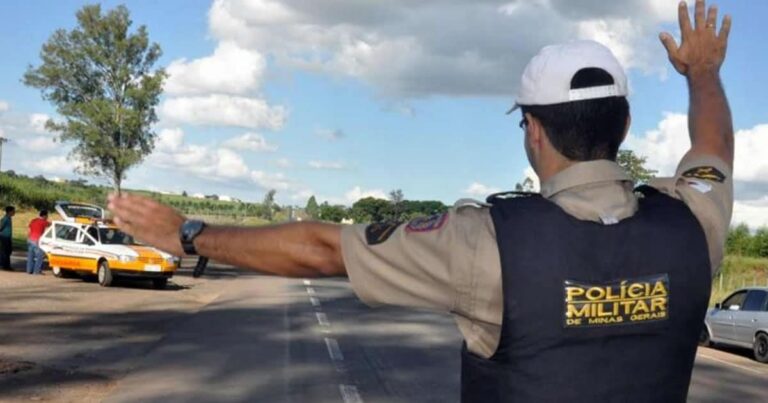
(27, 381)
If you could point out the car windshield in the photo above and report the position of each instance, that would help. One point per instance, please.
(79, 210)
(113, 236)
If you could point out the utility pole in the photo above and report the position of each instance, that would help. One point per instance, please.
(2, 140)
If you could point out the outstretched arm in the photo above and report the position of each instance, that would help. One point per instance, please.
(309, 249)
(699, 57)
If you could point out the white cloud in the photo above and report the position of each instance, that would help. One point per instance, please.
(284, 163)
(37, 123)
(327, 165)
(250, 142)
(38, 144)
(270, 181)
(407, 48)
(331, 135)
(230, 70)
(754, 213)
(358, 193)
(479, 190)
(224, 110)
(665, 146)
(169, 140)
(53, 165)
(530, 173)
(4, 106)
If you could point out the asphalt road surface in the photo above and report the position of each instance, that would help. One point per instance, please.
(234, 336)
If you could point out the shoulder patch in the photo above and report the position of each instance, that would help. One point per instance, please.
(708, 173)
(426, 224)
(379, 232)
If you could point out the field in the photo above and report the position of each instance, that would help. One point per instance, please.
(737, 272)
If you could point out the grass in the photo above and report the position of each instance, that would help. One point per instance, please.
(737, 272)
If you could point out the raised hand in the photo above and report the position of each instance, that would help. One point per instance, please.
(702, 49)
(148, 221)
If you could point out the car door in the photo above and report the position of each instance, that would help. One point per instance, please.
(745, 321)
(721, 320)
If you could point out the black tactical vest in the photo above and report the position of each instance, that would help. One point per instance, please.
(592, 312)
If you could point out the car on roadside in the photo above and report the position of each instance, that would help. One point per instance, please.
(740, 320)
(83, 242)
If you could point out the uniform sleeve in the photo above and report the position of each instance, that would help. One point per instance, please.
(423, 263)
(705, 185)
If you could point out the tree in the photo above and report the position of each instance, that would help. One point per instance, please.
(369, 209)
(312, 209)
(269, 204)
(100, 78)
(396, 198)
(634, 165)
(738, 240)
(333, 213)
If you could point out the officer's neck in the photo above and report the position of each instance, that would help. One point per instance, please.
(551, 166)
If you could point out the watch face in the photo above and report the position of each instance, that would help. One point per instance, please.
(191, 228)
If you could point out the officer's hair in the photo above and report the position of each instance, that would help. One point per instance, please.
(585, 130)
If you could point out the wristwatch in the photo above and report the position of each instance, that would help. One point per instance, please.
(188, 232)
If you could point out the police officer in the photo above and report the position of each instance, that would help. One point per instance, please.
(588, 291)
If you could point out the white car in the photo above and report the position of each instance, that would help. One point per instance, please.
(741, 320)
(85, 243)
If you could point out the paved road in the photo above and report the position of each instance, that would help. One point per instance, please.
(238, 337)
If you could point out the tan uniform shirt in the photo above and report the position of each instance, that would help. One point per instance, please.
(452, 264)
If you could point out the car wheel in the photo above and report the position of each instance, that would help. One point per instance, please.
(704, 338)
(104, 274)
(159, 283)
(57, 271)
(761, 347)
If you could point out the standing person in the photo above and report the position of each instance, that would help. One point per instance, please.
(589, 291)
(35, 255)
(6, 236)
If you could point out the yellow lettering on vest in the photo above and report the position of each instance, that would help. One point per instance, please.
(578, 312)
(640, 307)
(635, 290)
(658, 304)
(573, 292)
(659, 289)
(595, 293)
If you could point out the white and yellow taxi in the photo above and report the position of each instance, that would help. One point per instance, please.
(84, 242)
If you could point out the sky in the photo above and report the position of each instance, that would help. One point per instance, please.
(343, 99)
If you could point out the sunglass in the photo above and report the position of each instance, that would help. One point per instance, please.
(523, 123)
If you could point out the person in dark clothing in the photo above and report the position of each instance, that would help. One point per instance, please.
(6, 237)
(202, 263)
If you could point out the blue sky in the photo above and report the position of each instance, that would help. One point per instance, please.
(359, 99)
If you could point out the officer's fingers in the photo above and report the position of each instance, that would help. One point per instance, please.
(725, 29)
(684, 18)
(712, 18)
(669, 43)
(698, 15)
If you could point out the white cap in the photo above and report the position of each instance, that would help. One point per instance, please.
(547, 77)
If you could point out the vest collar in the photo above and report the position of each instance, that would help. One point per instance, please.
(583, 173)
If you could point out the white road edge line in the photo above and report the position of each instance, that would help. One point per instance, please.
(307, 282)
(314, 301)
(333, 349)
(731, 364)
(310, 291)
(322, 319)
(350, 394)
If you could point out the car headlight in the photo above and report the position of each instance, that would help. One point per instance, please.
(127, 258)
(171, 260)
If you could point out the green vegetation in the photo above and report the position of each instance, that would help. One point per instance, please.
(634, 165)
(737, 272)
(100, 78)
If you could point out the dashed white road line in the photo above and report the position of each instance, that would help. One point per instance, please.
(307, 282)
(322, 319)
(350, 394)
(314, 301)
(310, 291)
(333, 349)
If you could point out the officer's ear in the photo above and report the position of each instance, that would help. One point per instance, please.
(534, 130)
(626, 128)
